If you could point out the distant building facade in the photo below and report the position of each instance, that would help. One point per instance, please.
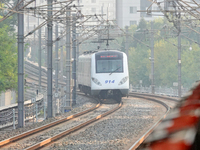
(126, 12)
(91, 7)
(87, 7)
(123, 11)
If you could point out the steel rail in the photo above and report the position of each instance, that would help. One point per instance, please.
(43, 80)
(56, 137)
(146, 134)
(152, 95)
(33, 131)
(33, 76)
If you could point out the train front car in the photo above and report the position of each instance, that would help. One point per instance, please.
(109, 74)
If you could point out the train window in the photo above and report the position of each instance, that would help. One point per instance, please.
(108, 63)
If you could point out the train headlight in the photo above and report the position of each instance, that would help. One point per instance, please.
(123, 80)
(96, 81)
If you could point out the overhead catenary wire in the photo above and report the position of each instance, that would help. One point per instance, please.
(42, 24)
(12, 11)
(191, 39)
(54, 17)
(45, 22)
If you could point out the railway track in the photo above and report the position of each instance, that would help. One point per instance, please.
(96, 113)
(158, 99)
(167, 102)
(171, 102)
(33, 78)
(45, 136)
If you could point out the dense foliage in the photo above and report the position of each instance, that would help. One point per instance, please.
(165, 54)
(8, 58)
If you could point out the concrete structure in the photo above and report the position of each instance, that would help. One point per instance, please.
(91, 7)
(123, 11)
(126, 12)
(7, 98)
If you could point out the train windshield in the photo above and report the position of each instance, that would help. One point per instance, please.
(111, 62)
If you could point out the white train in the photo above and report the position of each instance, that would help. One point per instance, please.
(104, 74)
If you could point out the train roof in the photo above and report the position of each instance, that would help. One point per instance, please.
(100, 51)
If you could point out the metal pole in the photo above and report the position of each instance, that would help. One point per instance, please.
(46, 48)
(44, 98)
(99, 35)
(20, 68)
(34, 104)
(68, 59)
(61, 62)
(152, 60)
(13, 118)
(39, 58)
(77, 54)
(34, 48)
(56, 74)
(49, 61)
(126, 44)
(36, 111)
(56, 59)
(27, 30)
(179, 61)
(28, 22)
(74, 57)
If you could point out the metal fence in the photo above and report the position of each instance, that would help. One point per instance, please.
(34, 105)
(9, 114)
(168, 91)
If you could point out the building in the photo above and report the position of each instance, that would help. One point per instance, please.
(91, 7)
(127, 12)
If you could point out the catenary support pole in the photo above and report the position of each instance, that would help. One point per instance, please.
(55, 104)
(34, 47)
(61, 61)
(74, 58)
(39, 57)
(68, 102)
(77, 54)
(49, 61)
(152, 60)
(46, 48)
(20, 67)
(126, 44)
(56, 60)
(28, 48)
(179, 61)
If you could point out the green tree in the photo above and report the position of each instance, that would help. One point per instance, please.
(190, 65)
(165, 63)
(165, 55)
(8, 59)
(10, 21)
(138, 63)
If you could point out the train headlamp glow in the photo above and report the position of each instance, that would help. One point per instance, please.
(96, 81)
(123, 80)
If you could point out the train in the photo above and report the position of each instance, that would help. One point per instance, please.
(103, 74)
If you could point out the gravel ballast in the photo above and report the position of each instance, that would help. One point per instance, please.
(118, 130)
(82, 103)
